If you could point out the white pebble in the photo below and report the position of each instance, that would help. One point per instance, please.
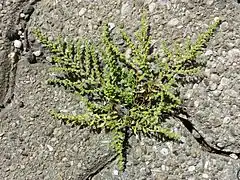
(191, 168)
(208, 52)
(111, 26)
(234, 156)
(152, 7)
(115, 172)
(164, 151)
(226, 120)
(17, 44)
(216, 19)
(82, 11)
(12, 56)
(205, 176)
(64, 159)
(173, 22)
(20, 33)
(37, 53)
(50, 148)
(126, 9)
(22, 15)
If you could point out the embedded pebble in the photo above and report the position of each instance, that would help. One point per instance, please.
(224, 26)
(37, 53)
(115, 172)
(234, 53)
(234, 156)
(191, 168)
(50, 148)
(173, 22)
(111, 26)
(164, 151)
(208, 52)
(17, 44)
(204, 175)
(82, 11)
(209, 2)
(126, 9)
(22, 15)
(152, 7)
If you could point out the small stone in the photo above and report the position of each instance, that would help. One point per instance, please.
(111, 26)
(163, 2)
(115, 172)
(182, 139)
(128, 53)
(191, 168)
(232, 93)
(20, 33)
(173, 22)
(164, 151)
(64, 159)
(234, 53)
(224, 81)
(50, 148)
(234, 156)
(196, 103)
(224, 26)
(212, 86)
(210, 2)
(207, 72)
(220, 145)
(204, 175)
(13, 57)
(152, 7)
(216, 19)
(208, 52)
(39, 172)
(196, 134)
(191, 178)
(226, 120)
(215, 78)
(17, 44)
(34, 115)
(164, 168)
(82, 11)
(120, 42)
(217, 93)
(126, 9)
(37, 53)
(22, 15)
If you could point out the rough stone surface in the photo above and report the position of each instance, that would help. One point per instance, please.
(33, 145)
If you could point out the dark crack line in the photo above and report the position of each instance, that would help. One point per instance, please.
(201, 141)
(11, 77)
(190, 127)
(98, 168)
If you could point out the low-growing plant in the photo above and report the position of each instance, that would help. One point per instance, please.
(124, 92)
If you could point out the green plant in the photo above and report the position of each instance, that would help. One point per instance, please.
(124, 94)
